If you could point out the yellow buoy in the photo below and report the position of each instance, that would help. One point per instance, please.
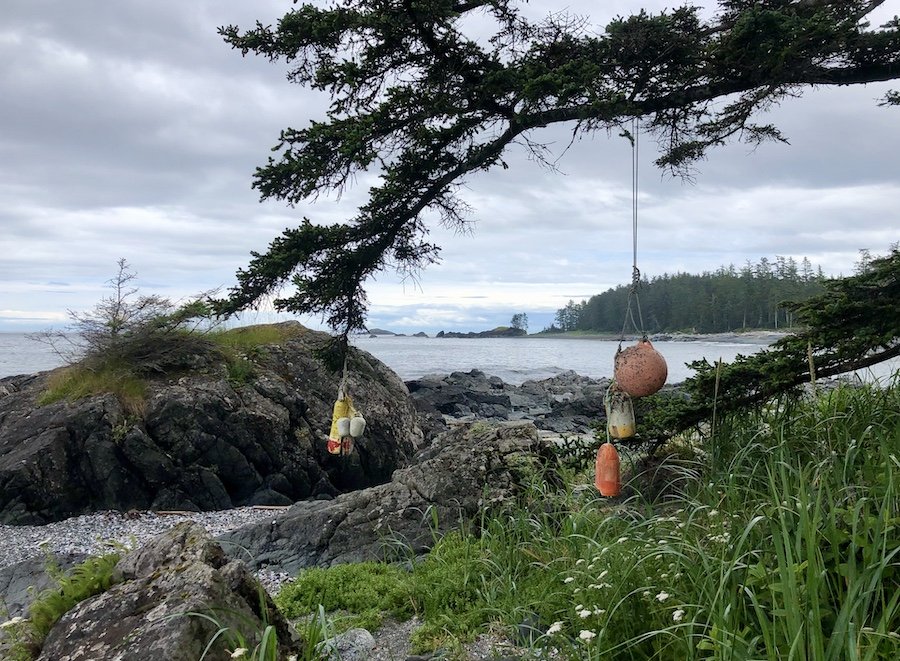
(619, 413)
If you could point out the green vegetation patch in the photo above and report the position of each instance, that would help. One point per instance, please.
(248, 338)
(75, 382)
(241, 346)
(781, 533)
(364, 592)
(91, 577)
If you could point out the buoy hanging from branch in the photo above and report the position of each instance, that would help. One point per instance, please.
(607, 476)
(346, 422)
(640, 370)
(619, 412)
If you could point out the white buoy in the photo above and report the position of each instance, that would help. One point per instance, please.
(357, 426)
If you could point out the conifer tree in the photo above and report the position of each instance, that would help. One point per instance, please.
(420, 102)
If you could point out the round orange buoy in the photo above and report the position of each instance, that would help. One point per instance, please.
(640, 370)
(606, 471)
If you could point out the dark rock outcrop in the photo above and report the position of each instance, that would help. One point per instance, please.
(565, 404)
(463, 472)
(145, 615)
(202, 442)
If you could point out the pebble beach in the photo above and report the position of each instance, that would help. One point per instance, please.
(103, 532)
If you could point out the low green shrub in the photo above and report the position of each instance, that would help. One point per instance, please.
(364, 592)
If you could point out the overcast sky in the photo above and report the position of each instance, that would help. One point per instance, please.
(130, 129)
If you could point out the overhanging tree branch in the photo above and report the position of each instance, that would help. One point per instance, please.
(416, 101)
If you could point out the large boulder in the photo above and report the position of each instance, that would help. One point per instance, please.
(465, 471)
(202, 441)
(168, 601)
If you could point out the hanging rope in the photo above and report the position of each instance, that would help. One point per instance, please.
(342, 388)
(633, 295)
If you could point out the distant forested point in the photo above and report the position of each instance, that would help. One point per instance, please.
(726, 300)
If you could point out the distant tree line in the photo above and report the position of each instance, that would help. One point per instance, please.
(727, 299)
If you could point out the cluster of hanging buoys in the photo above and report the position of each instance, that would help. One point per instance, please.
(346, 422)
(639, 371)
(346, 425)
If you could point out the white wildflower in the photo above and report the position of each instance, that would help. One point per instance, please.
(579, 607)
(664, 575)
(13, 622)
(621, 540)
(568, 579)
(661, 542)
(678, 615)
(579, 561)
(599, 611)
(584, 614)
(712, 512)
(239, 653)
(646, 593)
(602, 574)
(662, 596)
(556, 627)
(586, 635)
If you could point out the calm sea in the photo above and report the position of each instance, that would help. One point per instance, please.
(513, 360)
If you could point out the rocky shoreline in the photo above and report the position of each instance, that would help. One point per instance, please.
(461, 472)
(567, 403)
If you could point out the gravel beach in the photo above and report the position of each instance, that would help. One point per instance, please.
(99, 533)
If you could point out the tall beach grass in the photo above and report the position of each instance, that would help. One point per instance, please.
(778, 538)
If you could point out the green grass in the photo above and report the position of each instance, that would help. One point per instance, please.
(247, 338)
(75, 382)
(781, 541)
(91, 577)
(240, 346)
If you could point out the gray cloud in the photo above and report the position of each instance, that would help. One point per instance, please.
(131, 130)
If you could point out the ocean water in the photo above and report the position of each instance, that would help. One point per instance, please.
(19, 354)
(512, 359)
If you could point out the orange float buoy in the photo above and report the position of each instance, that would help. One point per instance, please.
(606, 471)
(640, 370)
